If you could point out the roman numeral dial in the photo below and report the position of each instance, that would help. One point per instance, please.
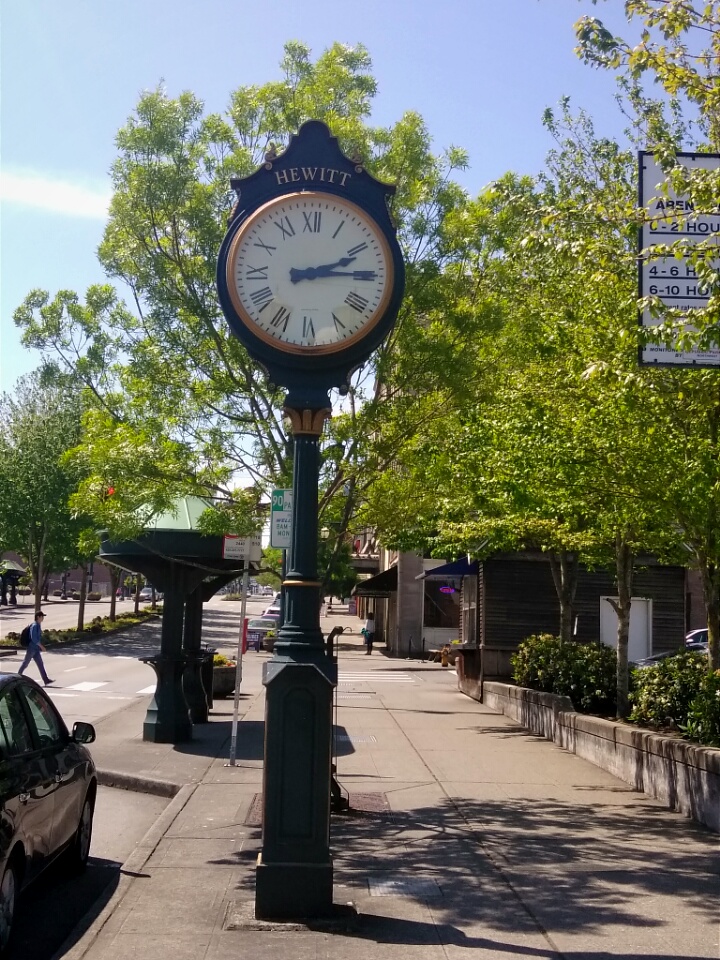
(310, 272)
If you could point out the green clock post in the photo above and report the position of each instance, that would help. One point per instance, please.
(310, 278)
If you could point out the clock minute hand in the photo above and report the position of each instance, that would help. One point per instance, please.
(312, 273)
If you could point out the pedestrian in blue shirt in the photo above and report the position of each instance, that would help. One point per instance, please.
(34, 649)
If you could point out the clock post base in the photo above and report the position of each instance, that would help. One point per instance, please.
(293, 891)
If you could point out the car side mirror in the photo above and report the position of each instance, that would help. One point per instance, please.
(83, 732)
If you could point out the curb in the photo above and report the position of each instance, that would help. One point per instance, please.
(128, 781)
(83, 937)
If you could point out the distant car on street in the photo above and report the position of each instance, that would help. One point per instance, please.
(147, 592)
(257, 631)
(48, 786)
(697, 636)
(273, 611)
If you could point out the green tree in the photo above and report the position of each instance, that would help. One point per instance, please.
(678, 52)
(39, 422)
(178, 401)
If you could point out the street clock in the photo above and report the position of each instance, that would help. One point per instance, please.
(310, 273)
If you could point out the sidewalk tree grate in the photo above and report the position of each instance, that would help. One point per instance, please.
(361, 804)
(347, 739)
(240, 915)
(356, 696)
(423, 887)
(253, 817)
(370, 803)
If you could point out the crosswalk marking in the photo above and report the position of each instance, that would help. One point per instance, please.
(86, 686)
(375, 676)
(151, 689)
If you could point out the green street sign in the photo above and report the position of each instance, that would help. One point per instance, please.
(281, 515)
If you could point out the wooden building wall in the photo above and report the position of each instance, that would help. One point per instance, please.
(517, 599)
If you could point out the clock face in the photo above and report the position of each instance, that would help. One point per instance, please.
(310, 273)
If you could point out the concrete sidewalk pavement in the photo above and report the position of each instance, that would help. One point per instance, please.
(465, 833)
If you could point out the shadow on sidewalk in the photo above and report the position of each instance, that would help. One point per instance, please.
(563, 866)
(212, 739)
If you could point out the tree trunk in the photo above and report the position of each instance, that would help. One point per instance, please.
(137, 594)
(624, 574)
(564, 567)
(35, 558)
(115, 575)
(83, 591)
(710, 574)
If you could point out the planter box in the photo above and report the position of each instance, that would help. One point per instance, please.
(223, 681)
(683, 775)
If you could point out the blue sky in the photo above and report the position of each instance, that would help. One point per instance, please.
(480, 72)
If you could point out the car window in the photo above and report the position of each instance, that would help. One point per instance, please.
(46, 720)
(15, 729)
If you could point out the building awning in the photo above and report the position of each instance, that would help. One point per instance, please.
(458, 568)
(381, 585)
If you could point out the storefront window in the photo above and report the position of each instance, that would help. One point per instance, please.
(442, 604)
(469, 610)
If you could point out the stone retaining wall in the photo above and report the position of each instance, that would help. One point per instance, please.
(683, 775)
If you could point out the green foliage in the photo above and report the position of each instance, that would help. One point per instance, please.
(178, 406)
(662, 694)
(703, 720)
(39, 423)
(585, 672)
(98, 626)
(220, 661)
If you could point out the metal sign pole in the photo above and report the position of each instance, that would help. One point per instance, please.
(238, 669)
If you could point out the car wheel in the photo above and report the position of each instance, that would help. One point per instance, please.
(79, 850)
(9, 890)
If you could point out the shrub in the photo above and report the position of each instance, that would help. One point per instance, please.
(661, 695)
(585, 672)
(94, 595)
(220, 661)
(703, 721)
(57, 593)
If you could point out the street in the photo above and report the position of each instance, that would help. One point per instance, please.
(53, 905)
(95, 678)
(92, 681)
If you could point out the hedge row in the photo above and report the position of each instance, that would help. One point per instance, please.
(678, 693)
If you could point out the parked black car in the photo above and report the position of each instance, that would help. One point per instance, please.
(688, 648)
(48, 787)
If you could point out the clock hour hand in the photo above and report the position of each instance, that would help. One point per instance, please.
(355, 274)
(324, 270)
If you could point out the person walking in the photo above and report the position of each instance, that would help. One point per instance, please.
(34, 649)
(369, 631)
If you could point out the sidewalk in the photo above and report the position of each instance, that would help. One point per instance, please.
(466, 833)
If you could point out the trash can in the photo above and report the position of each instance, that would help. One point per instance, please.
(206, 672)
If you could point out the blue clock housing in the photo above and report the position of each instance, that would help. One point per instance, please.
(312, 162)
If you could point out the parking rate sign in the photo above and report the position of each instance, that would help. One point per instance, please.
(672, 230)
(281, 514)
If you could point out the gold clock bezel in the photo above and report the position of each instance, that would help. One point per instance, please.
(295, 348)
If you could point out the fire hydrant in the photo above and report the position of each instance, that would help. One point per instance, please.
(444, 656)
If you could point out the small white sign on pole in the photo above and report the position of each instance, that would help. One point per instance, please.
(281, 518)
(242, 548)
